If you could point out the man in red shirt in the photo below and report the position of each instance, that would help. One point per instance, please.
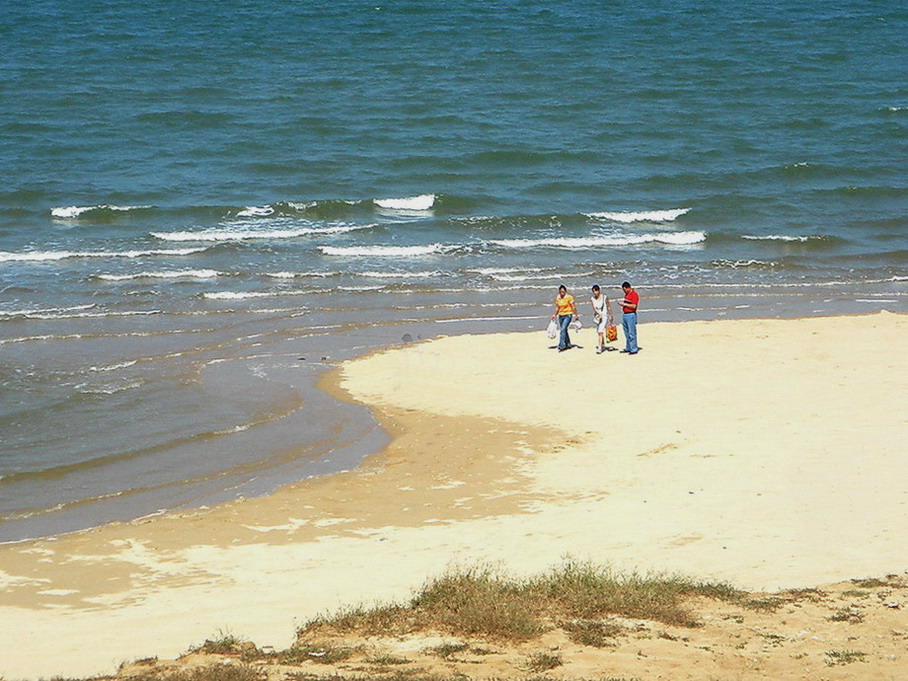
(629, 318)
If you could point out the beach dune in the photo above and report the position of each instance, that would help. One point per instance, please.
(768, 453)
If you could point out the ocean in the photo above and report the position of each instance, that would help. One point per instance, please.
(206, 206)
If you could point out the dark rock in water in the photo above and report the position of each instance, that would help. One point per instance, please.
(407, 338)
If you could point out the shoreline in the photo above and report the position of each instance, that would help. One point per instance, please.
(508, 481)
(249, 462)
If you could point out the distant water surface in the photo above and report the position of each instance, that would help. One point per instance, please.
(205, 206)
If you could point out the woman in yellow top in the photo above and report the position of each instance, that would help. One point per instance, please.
(565, 310)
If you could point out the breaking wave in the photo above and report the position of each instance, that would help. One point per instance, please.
(75, 212)
(385, 251)
(416, 203)
(42, 312)
(642, 216)
(242, 295)
(784, 237)
(606, 240)
(246, 233)
(42, 256)
(179, 274)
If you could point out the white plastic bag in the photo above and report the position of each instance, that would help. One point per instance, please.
(576, 326)
(552, 329)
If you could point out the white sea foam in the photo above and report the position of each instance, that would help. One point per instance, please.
(41, 256)
(606, 240)
(179, 274)
(113, 367)
(72, 212)
(43, 311)
(244, 234)
(65, 313)
(403, 275)
(106, 315)
(300, 275)
(86, 389)
(421, 202)
(737, 264)
(242, 295)
(384, 251)
(236, 295)
(256, 211)
(783, 284)
(783, 237)
(539, 277)
(642, 216)
(494, 270)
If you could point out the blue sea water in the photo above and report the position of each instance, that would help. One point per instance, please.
(205, 205)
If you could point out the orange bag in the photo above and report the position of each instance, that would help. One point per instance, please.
(611, 333)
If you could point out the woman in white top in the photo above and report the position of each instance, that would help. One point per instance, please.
(602, 315)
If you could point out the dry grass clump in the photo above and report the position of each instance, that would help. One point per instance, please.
(543, 662)
(224, 644)
(215, 672)
(392, 676)
(585, 591)
(838, 657)
(446, 650)
(480, 601)
(593, 633)
(320, 652)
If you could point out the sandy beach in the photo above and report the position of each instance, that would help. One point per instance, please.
(769, 453)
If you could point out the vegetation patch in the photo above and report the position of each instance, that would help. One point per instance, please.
(850, 615)
(224, 643)
(768, 604)
(387, 660)
(217, 672)
(837, 657)
(872, 583)
(773, 639)
(398, 675)
(479, 601)
(542, 662)
(446, 650)
(593, 633)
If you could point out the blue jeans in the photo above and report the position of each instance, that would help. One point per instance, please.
(564, 323)
(629, 324)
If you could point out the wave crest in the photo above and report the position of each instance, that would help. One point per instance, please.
(784, 237)
(642, 216)
(75, 212)
(242, 295)
(42, 256)
(385, 251)
(179, 274)
(248, 234)
(607, 240)
(418, 203)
